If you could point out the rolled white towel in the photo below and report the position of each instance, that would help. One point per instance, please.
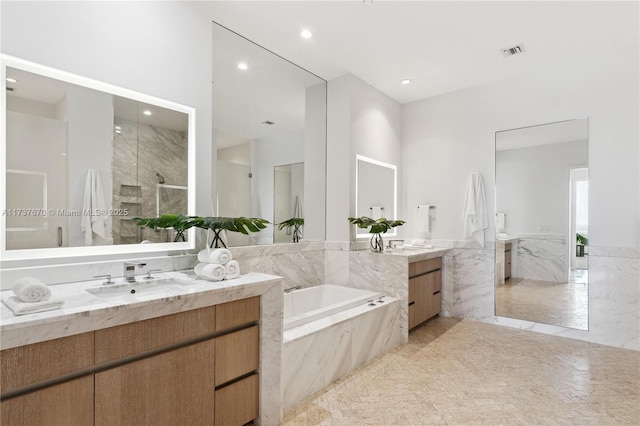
(232, 270)
(203, 255)
(210, 271)
(31, 290)
(220, 256)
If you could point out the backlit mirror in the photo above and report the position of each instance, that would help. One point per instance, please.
(542, 224)
(83, 158)
(376, 185)
(267, 112)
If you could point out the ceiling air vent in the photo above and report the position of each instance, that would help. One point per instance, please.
(510, 51)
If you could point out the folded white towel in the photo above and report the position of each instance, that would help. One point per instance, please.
(232, 270)
(22, 308)
(210, 271)
(31, 290)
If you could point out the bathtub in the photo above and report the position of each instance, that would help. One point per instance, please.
(331, 330)
(310, 304)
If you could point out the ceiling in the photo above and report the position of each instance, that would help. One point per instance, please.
(441, 46)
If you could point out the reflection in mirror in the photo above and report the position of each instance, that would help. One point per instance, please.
(267, 114)
(288, 199)
(83, 159)
(376, 196)
(542, 266)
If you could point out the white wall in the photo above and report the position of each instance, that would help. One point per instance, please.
(448, 137)
(89, 141)
(161, 49)
(361, 120)
(268, 153)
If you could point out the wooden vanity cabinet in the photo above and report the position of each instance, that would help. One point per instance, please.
(507, 261)
(193, 367)
(425, 290)
(38, 365)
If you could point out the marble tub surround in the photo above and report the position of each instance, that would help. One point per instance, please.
(84, 312)
(388, 273)
(319, 353)
(299, 264)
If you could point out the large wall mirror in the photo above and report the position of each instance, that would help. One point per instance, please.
(376, 192)
(267, 114)
(83, 158)
(542, 224)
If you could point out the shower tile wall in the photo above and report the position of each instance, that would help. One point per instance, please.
(140, 152)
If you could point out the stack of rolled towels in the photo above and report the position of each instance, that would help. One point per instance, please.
(217, 265)
(31, 296)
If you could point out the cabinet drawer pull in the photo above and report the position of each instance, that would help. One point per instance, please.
(411, 303)
(436, 292)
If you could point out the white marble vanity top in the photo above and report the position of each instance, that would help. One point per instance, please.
(417, 254)
(506, 240)
(83, 311)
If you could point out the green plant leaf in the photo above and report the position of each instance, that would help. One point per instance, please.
(294, 221)
(378, 226)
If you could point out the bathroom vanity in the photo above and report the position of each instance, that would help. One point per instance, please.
(207, 356)
(425, 290)
(412, 275)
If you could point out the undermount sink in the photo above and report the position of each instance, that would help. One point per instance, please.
(140, 290)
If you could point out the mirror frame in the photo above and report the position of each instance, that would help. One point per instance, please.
(359, 158)
(83, 251)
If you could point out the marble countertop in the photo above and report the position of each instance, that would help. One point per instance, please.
(413, 254)
(84, 311)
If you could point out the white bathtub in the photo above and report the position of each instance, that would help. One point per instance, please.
(310, 304)
(329, 331)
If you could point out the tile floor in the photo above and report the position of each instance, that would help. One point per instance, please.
(462, 372)
(561, 304)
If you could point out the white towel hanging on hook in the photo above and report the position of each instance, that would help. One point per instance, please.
(475, 210)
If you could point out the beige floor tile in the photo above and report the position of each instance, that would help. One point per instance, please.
(461, 372)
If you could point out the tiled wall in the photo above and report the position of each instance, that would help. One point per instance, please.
(139, 152)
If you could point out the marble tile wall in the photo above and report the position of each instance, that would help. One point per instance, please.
(313, 361)
(540, 257)
(139, 152)
(300, 264)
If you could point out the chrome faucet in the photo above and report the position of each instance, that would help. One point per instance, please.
(130, 270)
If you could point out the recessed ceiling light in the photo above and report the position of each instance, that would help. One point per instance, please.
(405, 81)
(146, 112)
(11, 80)
(306, 34)
(243, 66)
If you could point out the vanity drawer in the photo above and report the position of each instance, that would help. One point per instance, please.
(237, 313)
(142, 336)
(237, 404)
(34, 363)
(237, 354)
(424, 266)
